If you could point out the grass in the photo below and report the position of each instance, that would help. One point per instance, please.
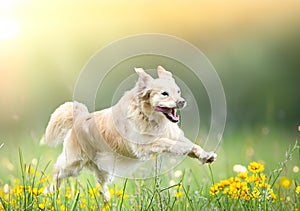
(271, 182)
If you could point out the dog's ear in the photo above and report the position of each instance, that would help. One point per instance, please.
(144, 78)
(162, 73)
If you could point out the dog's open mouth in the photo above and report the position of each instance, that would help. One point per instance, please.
(170, 113)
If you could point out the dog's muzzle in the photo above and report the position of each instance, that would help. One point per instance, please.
(180, 104)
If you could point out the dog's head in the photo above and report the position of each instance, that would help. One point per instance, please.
(161, 95)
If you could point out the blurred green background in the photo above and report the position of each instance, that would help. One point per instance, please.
(253, 45)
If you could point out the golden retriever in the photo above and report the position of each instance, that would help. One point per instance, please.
(142, 123)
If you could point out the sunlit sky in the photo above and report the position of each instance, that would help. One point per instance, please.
(58, 29)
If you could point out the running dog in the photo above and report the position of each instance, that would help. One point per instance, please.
(142, 123)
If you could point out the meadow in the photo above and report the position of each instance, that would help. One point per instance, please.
(254, 48)
(261, 172)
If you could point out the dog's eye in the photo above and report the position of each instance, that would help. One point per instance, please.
(178, 91)
(165, 93)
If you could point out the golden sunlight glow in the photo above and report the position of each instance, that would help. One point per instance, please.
(9, 29)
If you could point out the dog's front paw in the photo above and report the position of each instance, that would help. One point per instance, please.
(207, 157)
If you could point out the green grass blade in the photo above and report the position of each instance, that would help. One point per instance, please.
(75, 202)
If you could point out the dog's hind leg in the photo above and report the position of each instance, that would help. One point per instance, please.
(69, 163)
(103, 178)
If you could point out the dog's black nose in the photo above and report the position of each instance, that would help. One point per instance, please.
(180, 103)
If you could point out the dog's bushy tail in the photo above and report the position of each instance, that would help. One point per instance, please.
(61, 122)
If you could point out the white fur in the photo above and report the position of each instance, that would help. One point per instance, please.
(119, 138)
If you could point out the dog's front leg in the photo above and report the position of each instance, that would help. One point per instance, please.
(182, 147)
(202, 155)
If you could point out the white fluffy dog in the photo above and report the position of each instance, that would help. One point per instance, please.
(143, 122)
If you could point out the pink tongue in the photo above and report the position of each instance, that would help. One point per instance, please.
(163, 109)
(169, 111)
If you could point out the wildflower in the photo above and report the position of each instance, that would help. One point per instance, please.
(31, 170)
(255, 193)
(243, 175)
(232, 180)
(120, 194)
(253, 179)
(35, 191)
(298, 190)
(178, 194)
(295, 169)
(83, 203)
(264, 185)
(63, 207)
(106, 207)
(18, 191)
(248, 185)
(6, 188)
(214, 189)
(68, 193)
(223, 183)
(256, 167)
(34, 161)
(239, 168)
(111, 191)
(93, 192)
(285, 182)
(41, 206)
(272, 194)
(42, 180)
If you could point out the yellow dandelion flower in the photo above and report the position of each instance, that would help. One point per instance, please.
(42, 181)
(253, 178)
(106, 207)
(272, 194)
(264, 185)
(223, 183)
(256, 193)
(18, 191)
(298, 190)
(243, 175)
(62, 207)
(214, 189)
(285, 182)
(120, 194)
(232, 180)
(235, 187)
(178, 194)
(58, 200)
(30, 170)
(179, 185)
(225, 191)
(41, 206)
(112, 192)
(35, 191)
(263, 177)
(246, 197)
(256, 167)
(83, 203)
(93, 192)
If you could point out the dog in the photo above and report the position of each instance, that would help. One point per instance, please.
(115, 139)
